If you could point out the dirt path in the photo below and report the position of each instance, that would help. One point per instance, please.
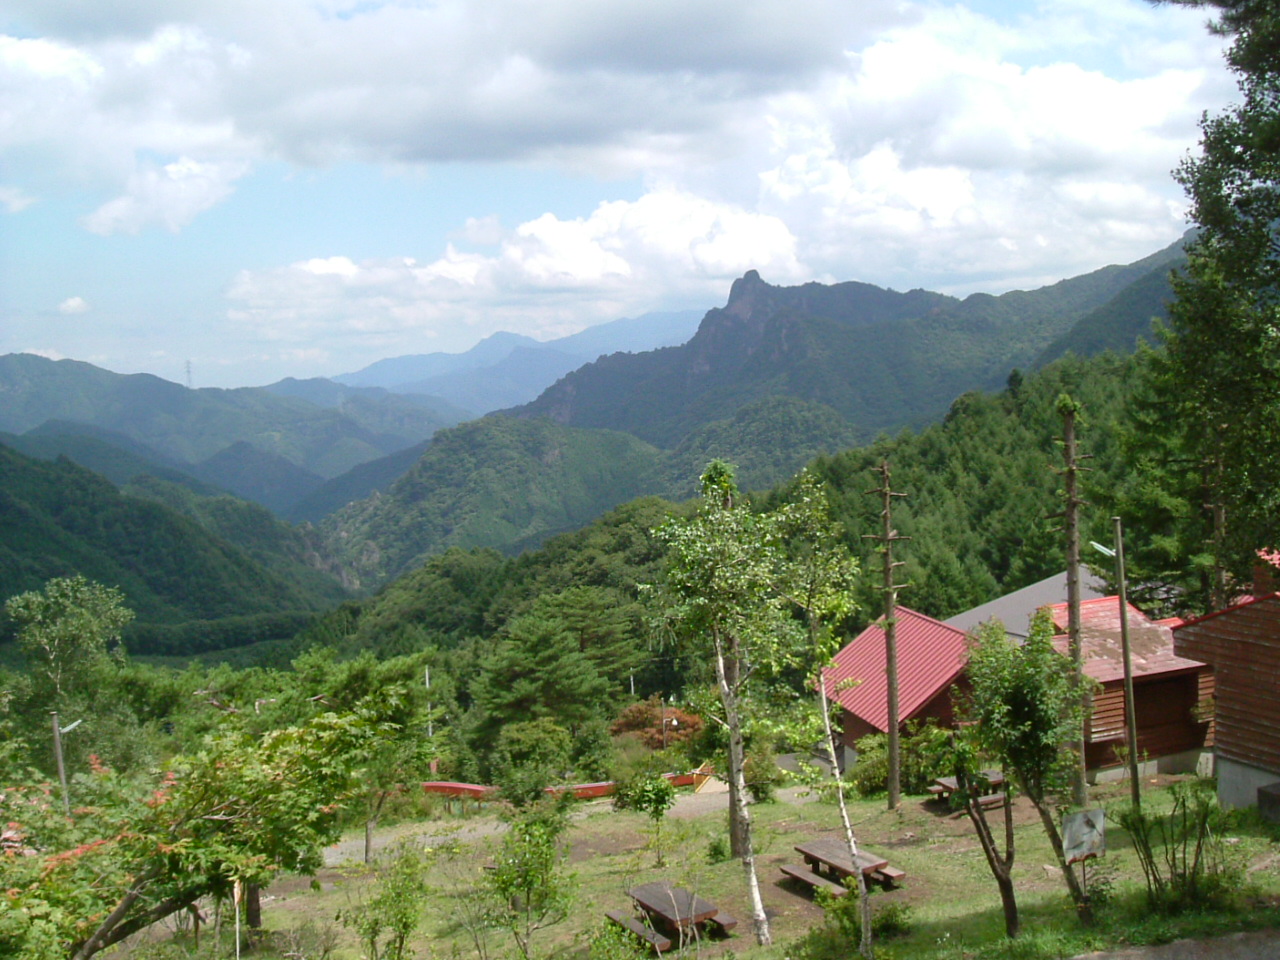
(714, 796)
(1259, 945)
(351, 849)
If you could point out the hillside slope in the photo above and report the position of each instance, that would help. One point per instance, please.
(191, 426)
(880, 359)
(177, 575)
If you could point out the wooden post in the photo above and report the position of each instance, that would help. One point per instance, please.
(1071, 524)
(1130, 706)
(62, 768)
(890, 590)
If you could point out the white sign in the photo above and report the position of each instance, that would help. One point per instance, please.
(1084, 835)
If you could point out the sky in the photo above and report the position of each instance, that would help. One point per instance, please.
(237, 191)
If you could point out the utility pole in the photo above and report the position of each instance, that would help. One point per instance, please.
(887, 536)
(1068, 408)
(58, 731)
(1130, 707)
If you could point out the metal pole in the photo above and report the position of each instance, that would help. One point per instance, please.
(1130, 708)
(62, 769)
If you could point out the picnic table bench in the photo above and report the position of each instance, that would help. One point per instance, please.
(833, 856)
(678, 910)
(806, 875)
(647, 934)
(944, 787)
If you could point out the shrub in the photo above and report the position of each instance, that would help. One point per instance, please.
(718, 849)
(844, 915)
(763, 775)
(1185, 863)
(922, 753)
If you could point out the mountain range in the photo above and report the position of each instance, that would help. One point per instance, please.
(775, 377)
(507, 369)
(879, 358)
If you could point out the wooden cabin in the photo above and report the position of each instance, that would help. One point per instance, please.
(1173, 694)
(1242, 643)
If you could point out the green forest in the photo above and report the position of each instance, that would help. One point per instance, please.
(197, 697)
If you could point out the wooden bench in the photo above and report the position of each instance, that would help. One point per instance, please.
(648, 935)
(889, 876)
(723, 922)
(815, 880)
(990, 800)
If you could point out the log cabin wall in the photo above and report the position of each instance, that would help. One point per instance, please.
(1242, 644)
(1170, 719)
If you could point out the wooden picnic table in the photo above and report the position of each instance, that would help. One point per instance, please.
(675, 906)
(834, 854)
(945, 786)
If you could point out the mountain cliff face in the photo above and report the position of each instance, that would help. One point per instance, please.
(879, 358)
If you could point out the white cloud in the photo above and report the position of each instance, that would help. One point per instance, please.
(547, 278)
(14, 199)
(73, 305)
(170, 196)
(907, 144)
(940, 160)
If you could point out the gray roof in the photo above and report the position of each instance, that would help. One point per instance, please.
(1015, 610)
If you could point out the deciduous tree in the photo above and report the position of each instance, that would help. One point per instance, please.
(1025, 710)
(722, 581)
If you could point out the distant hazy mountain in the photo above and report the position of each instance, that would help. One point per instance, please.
(358, 483)
(878, 358)
(238, 439)
(507, 369)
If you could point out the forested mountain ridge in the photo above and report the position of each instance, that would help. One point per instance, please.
(981, 493)
(493, 482)
(179, 577)
(508, 483)
(192, 426)
(880, 359)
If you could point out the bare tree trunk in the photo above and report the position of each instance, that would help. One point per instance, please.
(738, 830)
(1001, 866)
(865, 947)
(1078, 895)
(253, 906)
(1071, 525)
(890, 590)
(737, 794)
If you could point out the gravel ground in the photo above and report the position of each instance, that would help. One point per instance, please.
(713, 796)
(1259, 945)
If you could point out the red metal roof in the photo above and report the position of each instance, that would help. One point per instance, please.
(1150, 642)
(931, 655)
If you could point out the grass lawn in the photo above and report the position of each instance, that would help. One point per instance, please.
(953, 902)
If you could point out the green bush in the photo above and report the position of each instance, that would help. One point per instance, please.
(922, 751)
(718, 849)
(763, 775)
(844, 915)
(1186, 865)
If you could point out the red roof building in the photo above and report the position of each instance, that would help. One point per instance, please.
(931, 657)
(1173, 694)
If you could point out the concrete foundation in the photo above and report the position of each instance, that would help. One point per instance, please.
(1199, 762)
(1238, 782)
